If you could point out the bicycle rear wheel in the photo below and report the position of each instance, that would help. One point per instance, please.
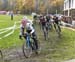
(27, 51)
(1, 55)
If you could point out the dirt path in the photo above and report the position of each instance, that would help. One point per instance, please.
(15, 54)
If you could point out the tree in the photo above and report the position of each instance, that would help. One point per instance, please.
(0, 4)
(25, 5)
(28, 6)
(57, 5)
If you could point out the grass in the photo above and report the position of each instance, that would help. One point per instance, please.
(62, 48)
(5, 22)
(55, 48)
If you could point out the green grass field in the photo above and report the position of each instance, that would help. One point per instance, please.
(55, 48)
(5, 22)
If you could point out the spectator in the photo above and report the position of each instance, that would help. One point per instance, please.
(11, 15)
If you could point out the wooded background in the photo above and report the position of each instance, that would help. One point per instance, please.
(29, 6)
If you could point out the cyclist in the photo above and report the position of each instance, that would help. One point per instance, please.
(56, 22)
(29, 29)
(44, 26)
(48, 20)
(22, 26)
(34, 18)
(42, 22)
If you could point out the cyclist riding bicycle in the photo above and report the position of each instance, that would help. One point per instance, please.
(56, 22)
(48, 20)
(44, 26)
(43, 22)
(25, 25)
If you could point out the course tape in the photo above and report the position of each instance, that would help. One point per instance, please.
(10, 32)
(8, 27)
(6, 30)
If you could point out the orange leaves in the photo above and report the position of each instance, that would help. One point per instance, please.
(25, 3)
(57, 2)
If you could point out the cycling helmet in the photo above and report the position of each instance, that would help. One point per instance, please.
(24, 20)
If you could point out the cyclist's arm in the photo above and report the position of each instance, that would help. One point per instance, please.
(21, 30)
(33, 30)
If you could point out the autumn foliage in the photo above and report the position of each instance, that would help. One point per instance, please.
(28, 6)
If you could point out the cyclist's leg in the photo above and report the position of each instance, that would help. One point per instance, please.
(54, 25)
(59, 27)
(40, 25)
(47, 31)
(42, 28)
(35, 40)
(44, 31)
(28, 44)
(50, 25)
(47, 27)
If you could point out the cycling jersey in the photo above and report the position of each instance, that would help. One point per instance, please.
(56, 20)
(29, 28)
(42, 21)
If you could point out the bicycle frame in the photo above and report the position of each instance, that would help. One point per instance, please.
(28, 40)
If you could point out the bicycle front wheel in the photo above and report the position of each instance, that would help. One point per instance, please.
(27, 51)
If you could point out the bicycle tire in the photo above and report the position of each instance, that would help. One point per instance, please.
(1, 54)
(26, 49)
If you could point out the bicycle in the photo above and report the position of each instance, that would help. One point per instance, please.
(29, 47)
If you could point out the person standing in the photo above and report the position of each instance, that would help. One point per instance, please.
(11, 15)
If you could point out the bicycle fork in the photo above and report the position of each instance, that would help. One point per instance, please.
(28, 42)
